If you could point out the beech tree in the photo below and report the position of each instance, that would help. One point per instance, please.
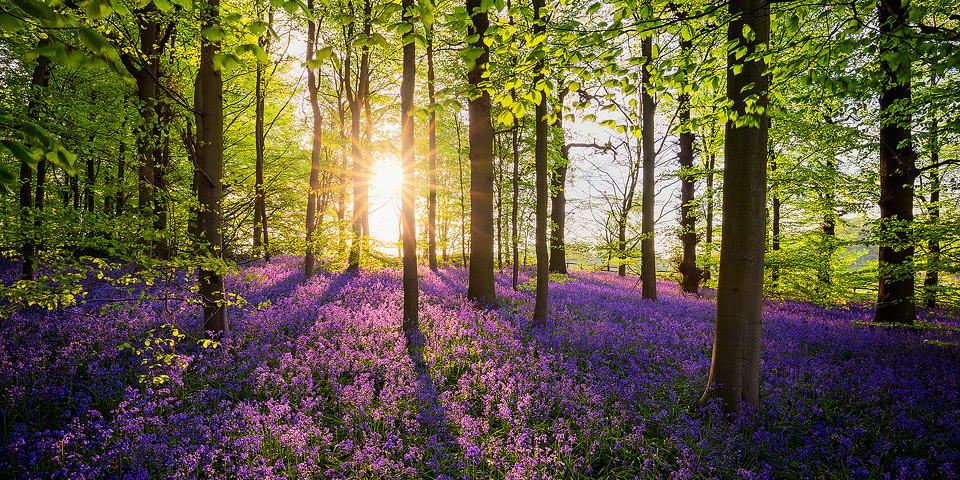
(316, 143)
(735, 364)
(895, 295)
(209, 107)
(480, 132)
(408, 228)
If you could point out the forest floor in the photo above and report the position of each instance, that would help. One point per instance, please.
(315, 381)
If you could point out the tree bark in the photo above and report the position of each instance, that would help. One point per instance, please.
(689, 272)
(311, 226)
(481, 279)
(734, 367)
(775, 240)
(146, 93)
(463, 213)
(210, 188)
(558, 209)
(363, 90)
(411, 294)
(516, 202)
(829, 226)
(648, 254)
(541, 304)
(895, 295)
(38, 82)
(932, 279)
(259, 204)
(432, 167)
(353, 102)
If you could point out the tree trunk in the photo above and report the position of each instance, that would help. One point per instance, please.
(931, 281)
(408, 230)
(734, 367)
(310, 259)
(259, 203)
(516, 202)
(622, 245)
(711, 166)
(481, 279)
(344, 167)
(648, 254)
(210, 188)
(463, 213)
(38, 82)
(558, 209)
(689, 272)
(363, 91)
(895, 296)
(353, 102)
(88, 201)
(775, 241)
(149, 132)
(541, 305)
(432, 167)
(498, 189)
(829, 226)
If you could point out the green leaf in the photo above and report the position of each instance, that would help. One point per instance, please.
(20, 152)
(505, 118)
(686, 33)
(257, 28)
(324, 53)
(97, 43)
(9, 23)
(214, 33)
(36, 9)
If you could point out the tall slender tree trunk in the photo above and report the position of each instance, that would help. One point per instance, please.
(775, 240)
(353, 102)
(481, 279)
(210, 188)
(931, 281)
(895, 296)
(689, 272)
(259, 204)
(432, 166)
(363, 90)
(344, 164)
(735, 364)
(463, 213)
(558, 188)
(408, 229)
(711, 166)
(541, 304)
(88, 201)
(829, 225)
(38, 82)
(503, 228)
(648, 254)
(622, 245)
(625, 206)
(515, 238)
(149, 131)
(317, 146)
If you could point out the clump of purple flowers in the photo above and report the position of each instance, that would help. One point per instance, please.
(315, 381)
